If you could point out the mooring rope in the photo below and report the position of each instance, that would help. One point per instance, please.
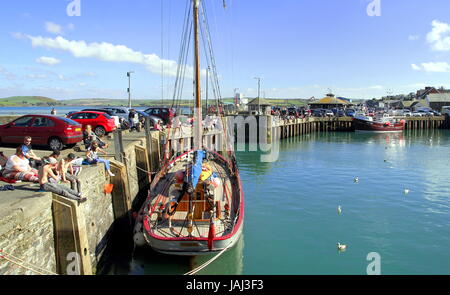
(196, 270)
(19, 262)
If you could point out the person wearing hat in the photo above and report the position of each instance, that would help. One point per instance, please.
(66, 171)
(46, 172)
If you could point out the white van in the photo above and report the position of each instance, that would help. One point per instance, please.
(445, 110)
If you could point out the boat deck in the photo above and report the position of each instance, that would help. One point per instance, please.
(225, 193)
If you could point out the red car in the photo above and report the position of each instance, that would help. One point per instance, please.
(51, 131)
(101, 123)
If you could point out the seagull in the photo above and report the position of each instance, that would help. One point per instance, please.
(339, 209)
(341, 247)
(406, 191)
(356, 179)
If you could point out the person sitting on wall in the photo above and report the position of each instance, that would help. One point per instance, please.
(3, 161)
(89, 137)
(55, 155)
(67, 172)
(29, 153)
(46, 172)
(18, 168)
(93, 158)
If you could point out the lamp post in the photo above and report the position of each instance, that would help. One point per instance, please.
(129, 88)
(259, 92)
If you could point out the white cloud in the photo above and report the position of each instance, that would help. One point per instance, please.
(108, 52)
(53, 28)
(432, 67)
(438, 38)
(415, 67)
(50, 61)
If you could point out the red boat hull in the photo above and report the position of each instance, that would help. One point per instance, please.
(373, 126)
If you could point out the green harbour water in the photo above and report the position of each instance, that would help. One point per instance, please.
(291, 221)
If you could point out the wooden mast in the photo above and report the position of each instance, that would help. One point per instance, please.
(198, 136)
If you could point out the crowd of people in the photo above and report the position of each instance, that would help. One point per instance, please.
(52, 172)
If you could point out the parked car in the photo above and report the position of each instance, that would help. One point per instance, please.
(328, 113)
(318, 113)
(121, 112)
(445, 110)
(417, 114)
(51, 131)
(101, 123)
(109, 112)
(340, 113)
(435, 113)
(166, 114)
(70, 113)
(350, 112)
(153, 119)
(425, 113)
(407, 113)
(293, 112)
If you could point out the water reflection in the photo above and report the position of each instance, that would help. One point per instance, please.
(146, 261)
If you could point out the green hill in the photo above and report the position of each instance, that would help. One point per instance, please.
(28, 101)
(18, 101)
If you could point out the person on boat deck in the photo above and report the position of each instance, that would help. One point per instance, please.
(46, 172)
(93, 158)
(89, 137)
(28, 152)
(18, 168)
(67, 172)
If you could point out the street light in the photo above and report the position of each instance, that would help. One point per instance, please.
(259, 92)
(129, 88)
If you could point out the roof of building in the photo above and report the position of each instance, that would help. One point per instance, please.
(438, 97)
(330, 99)
(259, 101)
(420, 102)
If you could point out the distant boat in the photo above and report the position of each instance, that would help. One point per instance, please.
(385, 123)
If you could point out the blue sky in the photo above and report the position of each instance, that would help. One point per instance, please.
(300, 48)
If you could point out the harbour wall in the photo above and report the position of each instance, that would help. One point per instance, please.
(44, 233)
(263, 128)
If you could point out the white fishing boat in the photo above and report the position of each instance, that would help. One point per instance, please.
(195, 204)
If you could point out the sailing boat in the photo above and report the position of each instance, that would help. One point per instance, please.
(195, 204)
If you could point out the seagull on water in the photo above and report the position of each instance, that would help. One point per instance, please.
(339, 209)
(406, 191)
(341, 247)
(356, 179)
